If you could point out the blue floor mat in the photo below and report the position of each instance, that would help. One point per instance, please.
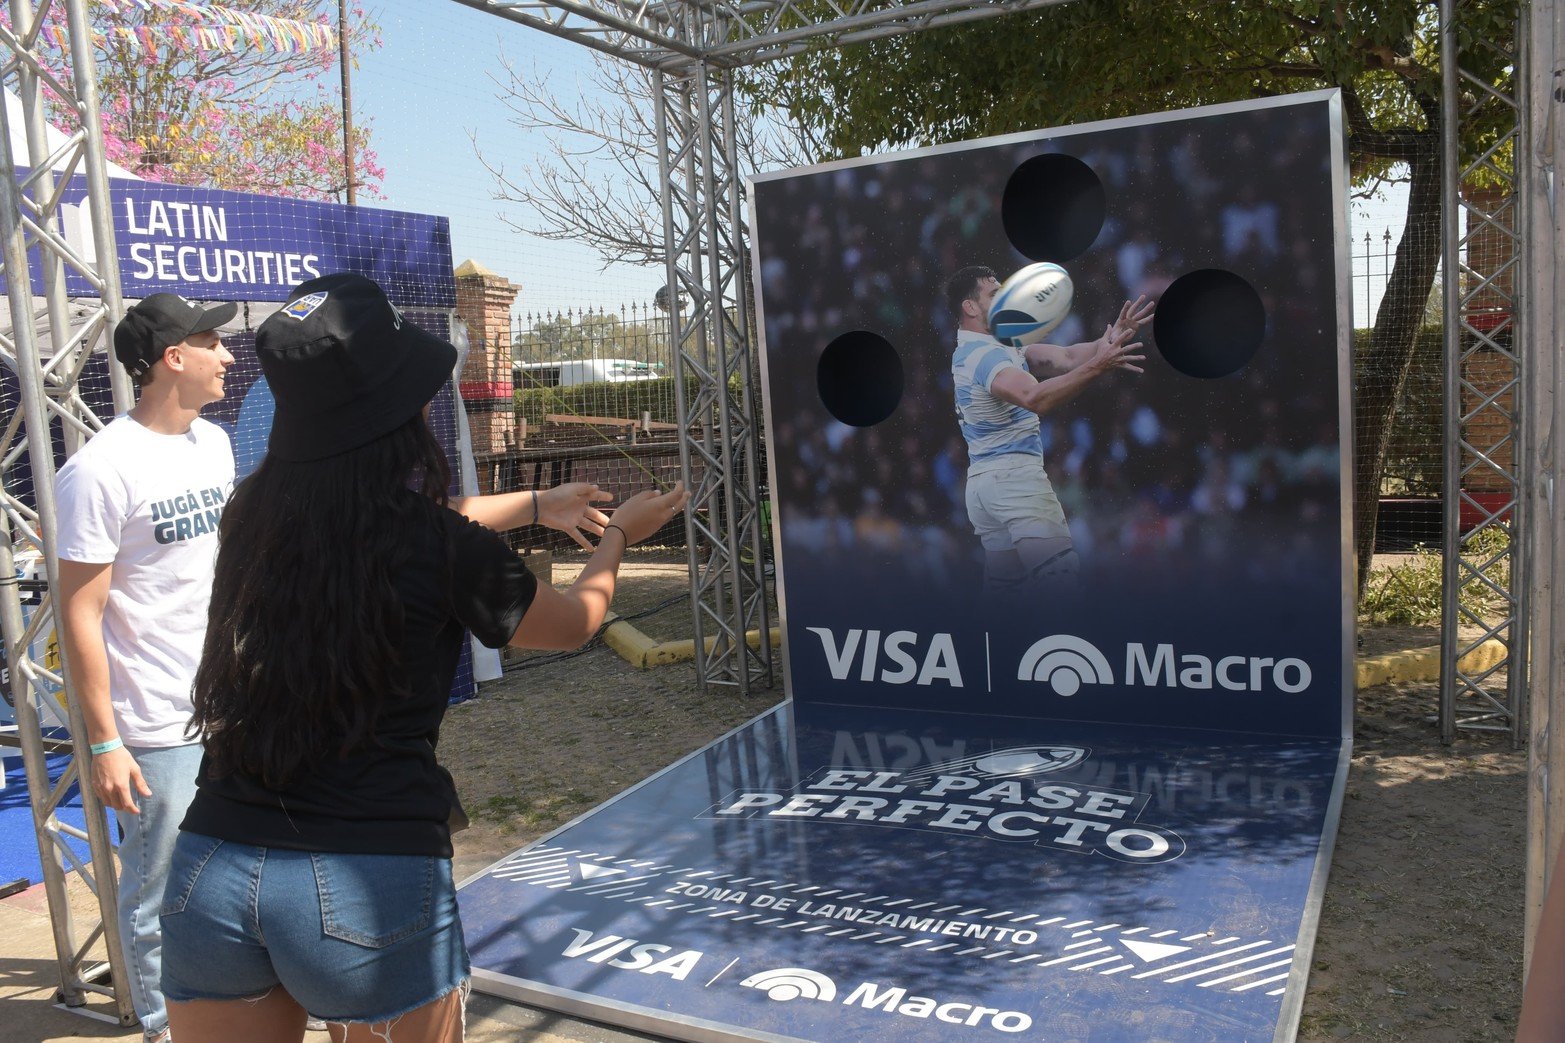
(831, 873)
(18, 842)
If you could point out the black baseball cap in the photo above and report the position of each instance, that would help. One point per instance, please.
(345, 367)
(159, 322)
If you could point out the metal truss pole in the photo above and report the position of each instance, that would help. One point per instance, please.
(714, 385)
(1543, 210)
(1487, 364)
(30, 218)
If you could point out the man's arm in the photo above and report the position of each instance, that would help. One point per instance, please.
(568, 508)
(1020, 388)
(84, 591)
(1045, 360)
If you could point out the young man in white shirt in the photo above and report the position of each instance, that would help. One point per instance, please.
(138, 509)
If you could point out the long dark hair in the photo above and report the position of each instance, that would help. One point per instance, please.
(303, 641)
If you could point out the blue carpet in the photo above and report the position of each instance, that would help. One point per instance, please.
(18, 842)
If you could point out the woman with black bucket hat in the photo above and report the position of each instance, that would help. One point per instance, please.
(313, 870)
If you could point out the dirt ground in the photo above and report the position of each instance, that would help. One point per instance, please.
(559, 735)
(1421, 933)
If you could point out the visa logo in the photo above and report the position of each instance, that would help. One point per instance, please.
(901, 657)
(631, 954)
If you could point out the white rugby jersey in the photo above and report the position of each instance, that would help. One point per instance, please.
(997, 432)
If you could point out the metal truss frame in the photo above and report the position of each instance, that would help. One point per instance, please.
(30, 221)
(714, 384)
(673, 34)
(1487, 434)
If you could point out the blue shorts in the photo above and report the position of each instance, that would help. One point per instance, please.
(351, 937)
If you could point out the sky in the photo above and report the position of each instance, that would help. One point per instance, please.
(431, 87)
(425, 92)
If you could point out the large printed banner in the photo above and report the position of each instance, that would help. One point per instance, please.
(1069, 677)
(208, 244)
(1203, 499)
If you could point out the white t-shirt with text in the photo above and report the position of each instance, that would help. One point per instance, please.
(150, 504)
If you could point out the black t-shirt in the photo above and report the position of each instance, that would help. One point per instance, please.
(390, 796)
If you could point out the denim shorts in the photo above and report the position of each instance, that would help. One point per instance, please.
(351, 937)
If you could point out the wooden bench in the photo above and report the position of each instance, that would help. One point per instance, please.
(621, 427)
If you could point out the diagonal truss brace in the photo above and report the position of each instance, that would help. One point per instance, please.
(30, 223)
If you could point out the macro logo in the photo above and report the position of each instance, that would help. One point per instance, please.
(1064, 663)
(792, 983)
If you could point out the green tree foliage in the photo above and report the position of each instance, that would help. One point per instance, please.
(1102, 59)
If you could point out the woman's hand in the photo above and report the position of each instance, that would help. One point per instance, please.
(569, 509)
(647, 512)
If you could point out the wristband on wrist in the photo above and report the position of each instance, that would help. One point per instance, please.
(537, 518)
(107, 747)
(621, 532)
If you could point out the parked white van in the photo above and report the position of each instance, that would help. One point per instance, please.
(583, 371)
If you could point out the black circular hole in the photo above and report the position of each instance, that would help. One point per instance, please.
(860, 378)
(1053, 207)
(1209, 323)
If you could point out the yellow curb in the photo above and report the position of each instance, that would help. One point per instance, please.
(642, 652)
(1423, 664)
(630, 643)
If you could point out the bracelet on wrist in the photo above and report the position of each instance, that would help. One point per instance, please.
(537, 517)
(107, 747)
(619, 530)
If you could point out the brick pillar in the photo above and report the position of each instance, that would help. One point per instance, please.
(1491, 254)
(483, 302)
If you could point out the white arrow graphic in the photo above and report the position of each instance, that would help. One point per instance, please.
(1149, 951)
(590, 871)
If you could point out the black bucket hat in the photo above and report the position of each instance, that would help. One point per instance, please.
(159, 322)
(345, 367)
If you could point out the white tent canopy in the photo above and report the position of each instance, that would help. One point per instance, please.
(54, 137)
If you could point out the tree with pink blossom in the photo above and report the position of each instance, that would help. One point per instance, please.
(236, 109)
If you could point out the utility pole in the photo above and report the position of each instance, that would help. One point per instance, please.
(344, 59)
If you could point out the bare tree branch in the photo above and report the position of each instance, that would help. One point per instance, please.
(597, 179)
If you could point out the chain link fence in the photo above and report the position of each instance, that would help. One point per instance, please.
(1409, 517)
(594, 393)
(1408, 568)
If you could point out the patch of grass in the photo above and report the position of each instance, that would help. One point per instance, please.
(1408, 593)
(531, 812)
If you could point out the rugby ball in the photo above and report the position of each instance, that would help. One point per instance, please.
(1030, 304)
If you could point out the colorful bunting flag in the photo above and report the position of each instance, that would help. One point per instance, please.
(224, 29)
